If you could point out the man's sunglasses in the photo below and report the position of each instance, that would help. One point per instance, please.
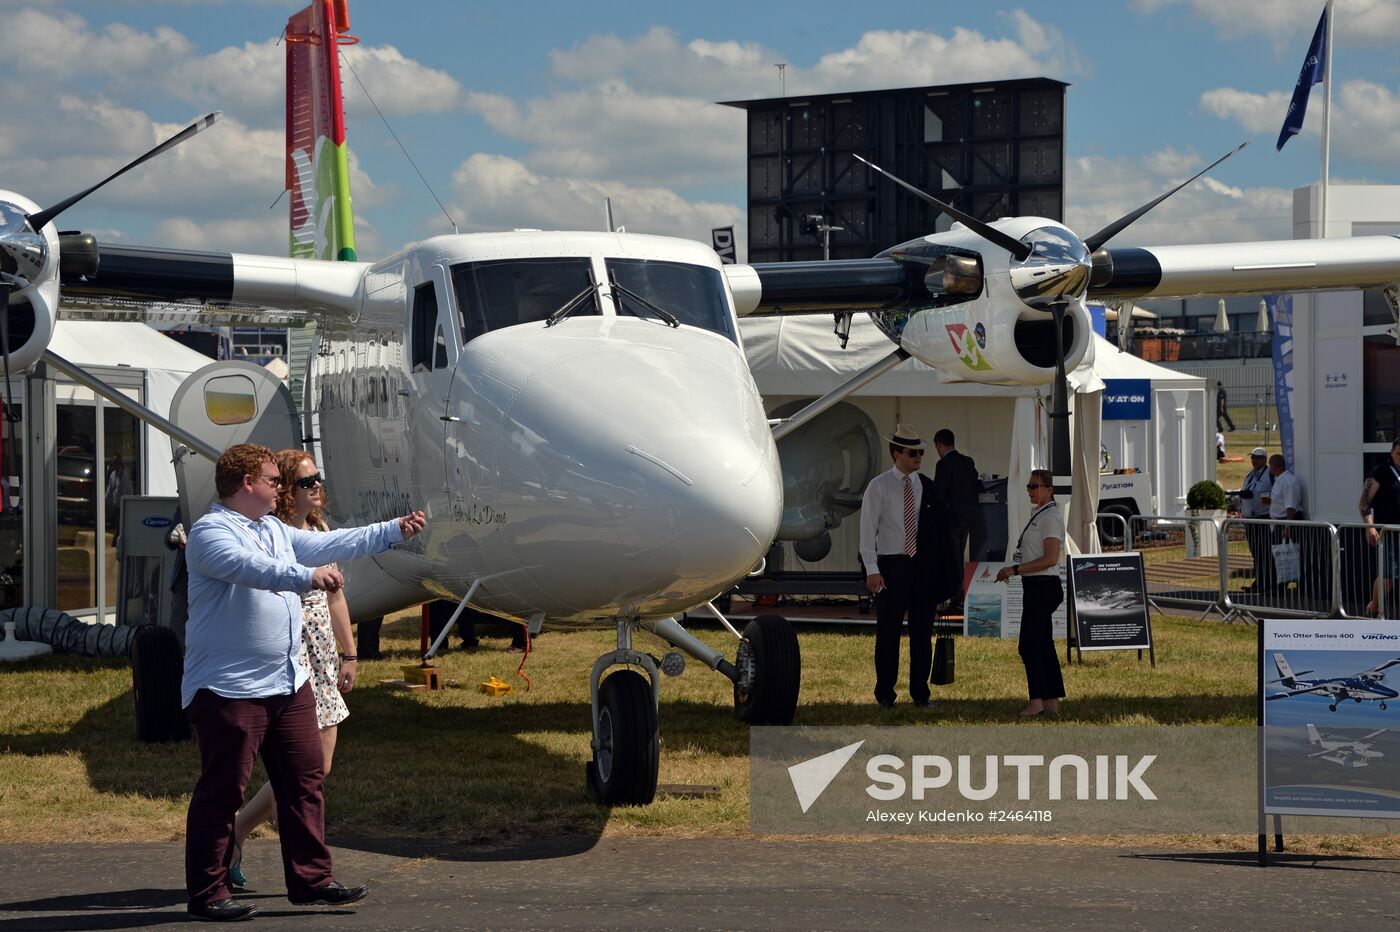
(310, 482)
(1033, 485)
(913, 452)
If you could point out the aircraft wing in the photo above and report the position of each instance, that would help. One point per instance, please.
(1378, 731)
(1299, 692)
(155, 284)
(1246, 268)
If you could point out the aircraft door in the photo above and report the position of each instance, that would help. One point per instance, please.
(223, 404)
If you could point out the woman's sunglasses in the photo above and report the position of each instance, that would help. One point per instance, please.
(310, 482)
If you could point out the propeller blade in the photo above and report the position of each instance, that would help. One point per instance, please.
(989, 233)
(43, 217)
(1118, 226)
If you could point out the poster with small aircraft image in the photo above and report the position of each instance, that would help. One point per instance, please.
(992, 609)
(1109, 597)
(1331, 717)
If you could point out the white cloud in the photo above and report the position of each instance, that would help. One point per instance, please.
(631, 108)
(1360, 22)
(657, 62)
(611, 130)
(492, 192)
(1099, 190)
(1365, 118)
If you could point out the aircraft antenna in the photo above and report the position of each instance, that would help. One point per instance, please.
(399, 142)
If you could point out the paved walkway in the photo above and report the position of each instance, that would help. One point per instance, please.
(724, 884)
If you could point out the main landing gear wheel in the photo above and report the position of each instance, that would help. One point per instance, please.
(1332, 707)
(623, 769)
(1382, 706)
(770, 672)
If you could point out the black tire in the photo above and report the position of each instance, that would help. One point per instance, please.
(772, 659)
(157, 670)
(623, 770)
(1110, 531)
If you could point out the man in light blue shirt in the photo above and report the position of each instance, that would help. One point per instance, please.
(244, 686)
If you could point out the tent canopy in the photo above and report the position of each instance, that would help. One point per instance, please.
(166, 362)
(801, 357)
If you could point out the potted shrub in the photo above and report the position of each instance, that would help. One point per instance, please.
(1205, 499)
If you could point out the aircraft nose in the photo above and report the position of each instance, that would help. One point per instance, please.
(647, 473)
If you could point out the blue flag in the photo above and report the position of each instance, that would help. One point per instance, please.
(1314, 68)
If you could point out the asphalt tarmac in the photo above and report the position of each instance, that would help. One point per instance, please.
(722, 884)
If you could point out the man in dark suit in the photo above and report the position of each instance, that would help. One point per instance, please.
(957, 484)
(906, 542)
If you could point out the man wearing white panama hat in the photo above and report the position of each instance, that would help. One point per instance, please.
(907, 545)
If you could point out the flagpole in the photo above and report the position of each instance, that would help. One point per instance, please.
(1326, 120)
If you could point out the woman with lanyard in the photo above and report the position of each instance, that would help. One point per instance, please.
(1036, 560)
(325, 626)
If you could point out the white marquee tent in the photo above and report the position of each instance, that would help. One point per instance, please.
(165, 362)
(1003, 428)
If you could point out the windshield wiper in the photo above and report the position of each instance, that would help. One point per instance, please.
(665, 315)
(570, 305)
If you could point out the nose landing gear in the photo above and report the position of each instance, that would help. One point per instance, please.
(766, 674)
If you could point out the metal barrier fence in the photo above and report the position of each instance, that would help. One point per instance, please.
(1359, 562)
(1113, 532)
(1247, 567)
(1181, 559)
(1293, 569)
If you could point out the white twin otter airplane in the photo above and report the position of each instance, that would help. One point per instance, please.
(574, 411)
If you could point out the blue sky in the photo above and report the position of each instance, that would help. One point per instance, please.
(529, 114)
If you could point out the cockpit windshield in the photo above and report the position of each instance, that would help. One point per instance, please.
(693, 294)
(499, 293)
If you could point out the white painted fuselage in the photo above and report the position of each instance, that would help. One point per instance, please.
(607, 466)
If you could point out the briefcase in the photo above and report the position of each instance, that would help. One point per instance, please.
(943, 661)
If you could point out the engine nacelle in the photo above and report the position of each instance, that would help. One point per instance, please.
(827, 463)
(29, 262)
(951, 299)
(987, 318)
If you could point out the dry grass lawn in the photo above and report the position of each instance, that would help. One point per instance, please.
(460, 765)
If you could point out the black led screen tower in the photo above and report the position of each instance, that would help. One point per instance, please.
(991, 150)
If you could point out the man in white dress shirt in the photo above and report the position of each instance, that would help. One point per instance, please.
(906, 543)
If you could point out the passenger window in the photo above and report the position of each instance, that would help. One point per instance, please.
(422, 324)
(506, 292)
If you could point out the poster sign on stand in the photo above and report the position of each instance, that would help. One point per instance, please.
(1329, 711)
(1108, 602)
(993, 609)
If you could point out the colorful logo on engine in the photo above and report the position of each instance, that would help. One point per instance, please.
(965, 345)
(981, 333)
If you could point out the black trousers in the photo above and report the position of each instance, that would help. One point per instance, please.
(1261, 552)
(960, 536)
(902, 597)
(1043, 594)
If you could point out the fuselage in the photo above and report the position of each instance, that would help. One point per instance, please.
(607, 465)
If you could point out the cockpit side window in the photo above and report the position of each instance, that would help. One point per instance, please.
(501, 293)
(423, 321)
(693, 293)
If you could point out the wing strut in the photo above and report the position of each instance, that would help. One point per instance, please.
(862, 378)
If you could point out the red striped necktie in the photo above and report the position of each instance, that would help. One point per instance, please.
(911, 524)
